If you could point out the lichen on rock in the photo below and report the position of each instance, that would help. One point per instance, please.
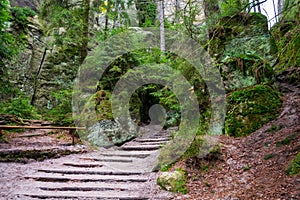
(108, 133)
(173, 181)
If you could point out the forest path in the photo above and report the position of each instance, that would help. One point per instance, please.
(116, 173)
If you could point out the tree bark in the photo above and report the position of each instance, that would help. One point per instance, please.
(275, 15)
(85, 31)
(279, 6)
(162, 25)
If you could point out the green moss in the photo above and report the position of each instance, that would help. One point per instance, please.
(194, 148)
(244, 70)
(174, 181)
(250, 108)
(275, 128)
(269, 156)
(267, 144)
(103, 105)
(294, 166)
(20, 107)
(285, 44)
(246, 167)
(285, 141)
(241, 33)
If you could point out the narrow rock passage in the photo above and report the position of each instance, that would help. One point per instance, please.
(116, 173)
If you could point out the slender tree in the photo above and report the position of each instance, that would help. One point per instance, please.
(162, 25)
(177, 10)
(258, 6)
(279, 6)
(274, 7)
(85, 29)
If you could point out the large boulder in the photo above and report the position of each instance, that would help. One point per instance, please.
(285, 40)
(241, 45)
(107, 133)
(240, 34)
(250, 108)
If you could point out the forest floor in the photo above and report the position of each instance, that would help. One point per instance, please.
(252, 167)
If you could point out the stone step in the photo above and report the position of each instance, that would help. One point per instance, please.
(141, 147)
(86, 178)
(152, 143)
(90, 186)
(83, 189)
(33, 135)
(87, 171)
(123, 160)
(152, 140)
(82, 165)
(121, 195)
(131, 154)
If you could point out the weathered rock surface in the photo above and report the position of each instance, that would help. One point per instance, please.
(285, 38)
(172, 181)
(250, 108)
(33, 4)
(241, 44)
(108, 133)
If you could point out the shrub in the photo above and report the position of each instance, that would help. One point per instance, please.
(20, 107)
(61, 113)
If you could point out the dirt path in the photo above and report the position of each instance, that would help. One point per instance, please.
(115, 173)
(253, 167)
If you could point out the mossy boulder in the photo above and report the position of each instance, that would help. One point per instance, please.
(285, 40)
(173, 181)
(250, 108)
(241, 46)
(241, 33)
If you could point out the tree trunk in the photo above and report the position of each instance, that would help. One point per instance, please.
(211, 7)
(85, 31)
(177, 9)
(162, 25)
(279, 7)
(275, 15)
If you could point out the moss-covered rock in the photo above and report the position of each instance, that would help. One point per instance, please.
(173, 181)
(240, 34)
(241, 46)
(285, 42)
(250, 108)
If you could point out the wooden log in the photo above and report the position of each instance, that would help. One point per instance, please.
(41, 127)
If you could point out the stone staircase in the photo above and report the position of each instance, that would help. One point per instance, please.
(116, 173)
